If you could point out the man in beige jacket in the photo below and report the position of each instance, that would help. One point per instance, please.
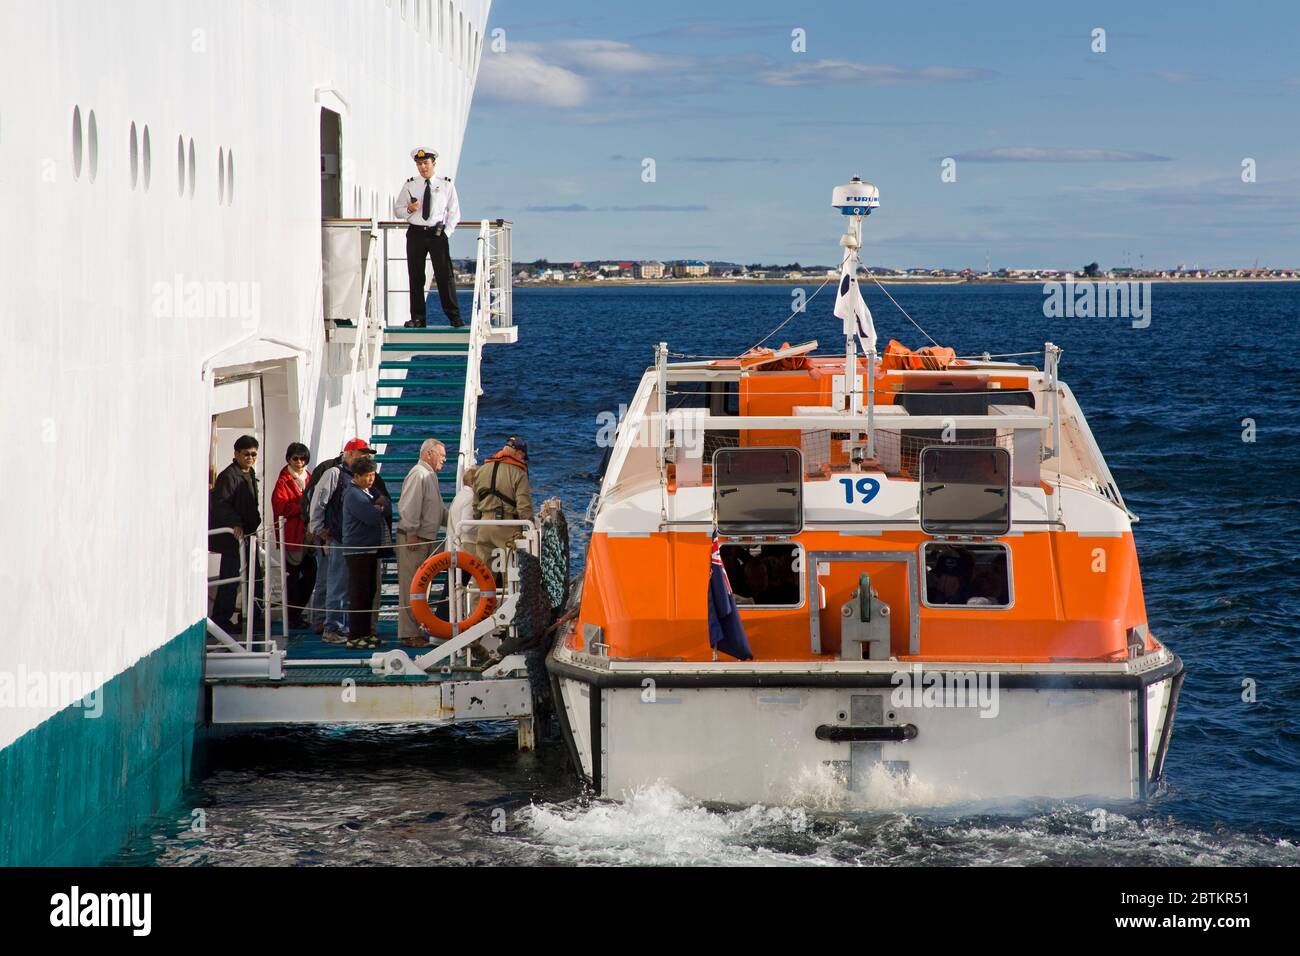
(422, 515)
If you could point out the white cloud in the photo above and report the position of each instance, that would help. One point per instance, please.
(1041, 154)
(565, 73)
(612, 56)
(821, 72)
(522, 77)
(1176, 76)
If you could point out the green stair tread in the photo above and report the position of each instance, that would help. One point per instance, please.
(430, 329)
(444, 387)
(417, 349)
(416, 363)
(446, 384)
(450, 442)
(412, 420)
(433, 363)
(433, 335)
(442, 345)
(417, 402)
(450, 381)
(407, 439)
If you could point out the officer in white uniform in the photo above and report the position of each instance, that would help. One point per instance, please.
(431, 210)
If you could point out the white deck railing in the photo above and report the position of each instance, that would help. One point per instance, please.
(492, 310)
(495, 234)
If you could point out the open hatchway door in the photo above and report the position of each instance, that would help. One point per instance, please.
(863, 605)
(237, 410)
(258, 399)
(331, 166)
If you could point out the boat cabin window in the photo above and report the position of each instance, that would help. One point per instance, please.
(965, 490)
(967, 575)
(720, 398)
(758, 491)
(764, 575)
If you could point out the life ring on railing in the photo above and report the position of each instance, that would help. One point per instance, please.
(433, 567)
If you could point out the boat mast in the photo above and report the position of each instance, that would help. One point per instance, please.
(852, 241)
(856, 199)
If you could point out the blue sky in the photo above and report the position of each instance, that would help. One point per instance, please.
(1132, 156)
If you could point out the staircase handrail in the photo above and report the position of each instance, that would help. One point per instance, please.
(480, 326)
(366, 329)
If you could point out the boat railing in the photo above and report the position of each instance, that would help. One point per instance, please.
(365, 386)
(480, 330)
(836, 442)
(1064, 445)
(528, 527)
(253, 553)
(492, 256)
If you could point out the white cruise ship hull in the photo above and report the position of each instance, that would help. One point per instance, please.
(165, 170)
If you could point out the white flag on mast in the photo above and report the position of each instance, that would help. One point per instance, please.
(852, 308)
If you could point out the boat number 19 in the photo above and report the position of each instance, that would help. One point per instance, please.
(867, 488)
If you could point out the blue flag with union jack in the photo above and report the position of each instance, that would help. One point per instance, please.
(726, 632)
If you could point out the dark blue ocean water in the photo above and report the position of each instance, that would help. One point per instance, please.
(1220, 522)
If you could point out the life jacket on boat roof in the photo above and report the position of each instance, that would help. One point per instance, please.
(933, 358)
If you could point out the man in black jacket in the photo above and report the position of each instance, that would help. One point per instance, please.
(233, 503)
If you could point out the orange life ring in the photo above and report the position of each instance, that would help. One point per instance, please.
(434, 566)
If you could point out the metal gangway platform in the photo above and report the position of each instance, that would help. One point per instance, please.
(406, 384)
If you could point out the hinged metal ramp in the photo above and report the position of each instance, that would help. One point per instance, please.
(348, 692)
(318, 683)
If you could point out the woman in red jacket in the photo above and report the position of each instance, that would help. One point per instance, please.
(300, 562)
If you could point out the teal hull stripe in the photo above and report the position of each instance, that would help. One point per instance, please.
(74, 788)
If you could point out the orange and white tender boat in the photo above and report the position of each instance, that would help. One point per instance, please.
(932, 565)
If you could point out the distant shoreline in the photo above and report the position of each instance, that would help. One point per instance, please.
(884, 280)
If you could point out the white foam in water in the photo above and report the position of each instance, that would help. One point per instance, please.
(824, 789)
(881, 825)
(657, 825)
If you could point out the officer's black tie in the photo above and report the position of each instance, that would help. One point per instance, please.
(428, 198)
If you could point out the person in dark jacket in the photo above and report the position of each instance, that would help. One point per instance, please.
(365, 533)
(233, 503)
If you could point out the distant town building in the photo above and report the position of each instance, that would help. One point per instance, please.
(650, 270)
(690, 269)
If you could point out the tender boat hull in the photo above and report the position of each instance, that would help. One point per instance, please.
(782, 732)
